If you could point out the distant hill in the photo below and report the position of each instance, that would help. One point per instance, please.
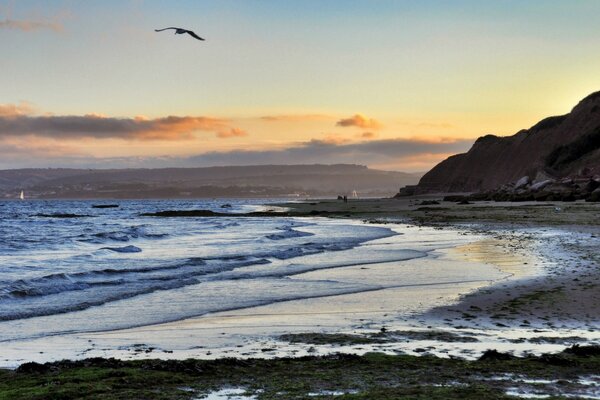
(556, 147)
(239, 181)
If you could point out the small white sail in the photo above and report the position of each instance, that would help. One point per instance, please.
(22, 195)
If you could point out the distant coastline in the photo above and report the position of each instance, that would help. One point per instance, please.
(258, 181)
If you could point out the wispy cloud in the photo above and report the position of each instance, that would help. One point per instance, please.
(31, 26)
(335, 139)
(329, 152)
(399, 154)
(360, 121)
(367, 135)
(17, 120)
(233, 132)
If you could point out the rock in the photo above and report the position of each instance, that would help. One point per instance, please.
(524, 181)
(591, 185)
(558, 188)
(585, 171)
(61, 215)
(454, 198)
(567, 181)
(569, 197)
(525, 196)
(594, 196)
(542, 195)
(495, 355)
(428, 203)
(543, 176)
(33, 367)
(583, 351)
(541, 185)
(408, 190)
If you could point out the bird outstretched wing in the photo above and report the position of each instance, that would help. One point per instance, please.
(192, 34)
(164, 29)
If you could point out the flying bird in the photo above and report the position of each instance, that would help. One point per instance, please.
(180, 31)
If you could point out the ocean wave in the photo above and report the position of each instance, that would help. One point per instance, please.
(68, 272)
(123, 235)
(47, 285)
(131, 281)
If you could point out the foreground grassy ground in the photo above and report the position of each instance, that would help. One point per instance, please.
(372, 376)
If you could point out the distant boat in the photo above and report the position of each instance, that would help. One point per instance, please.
(22, 195)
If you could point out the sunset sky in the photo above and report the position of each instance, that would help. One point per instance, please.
(396, 85)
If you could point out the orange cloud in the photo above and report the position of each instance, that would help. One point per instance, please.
(434, 140)
(15, 110)
(17, 121)
(233, 132)
(30, 26)
(367, 135)
(334, 139)
(360, 121)
(296, 118)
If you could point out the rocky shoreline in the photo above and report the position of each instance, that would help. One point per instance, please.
(542, 188)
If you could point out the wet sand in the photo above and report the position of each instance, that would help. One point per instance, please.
(565, 238)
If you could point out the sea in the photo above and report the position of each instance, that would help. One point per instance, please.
(70, 267)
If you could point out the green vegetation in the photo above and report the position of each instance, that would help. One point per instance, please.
(372, 376)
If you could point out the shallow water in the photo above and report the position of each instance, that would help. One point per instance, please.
(111, 268)
(100, 284)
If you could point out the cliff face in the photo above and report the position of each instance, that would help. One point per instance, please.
(557, 146)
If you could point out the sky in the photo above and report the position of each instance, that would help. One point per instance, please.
(392, 84)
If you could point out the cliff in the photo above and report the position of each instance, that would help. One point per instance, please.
(556, 147)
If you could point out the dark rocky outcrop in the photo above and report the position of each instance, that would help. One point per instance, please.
(555, 148)
(105, 206)
(566, 189)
